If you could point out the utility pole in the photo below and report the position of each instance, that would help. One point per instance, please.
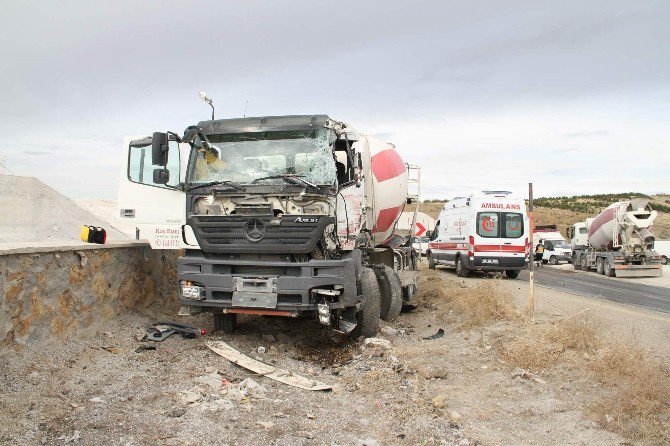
(531, 252)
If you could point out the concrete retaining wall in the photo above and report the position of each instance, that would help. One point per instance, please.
(49, 293)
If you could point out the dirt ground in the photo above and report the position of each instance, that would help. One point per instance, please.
(453, 390)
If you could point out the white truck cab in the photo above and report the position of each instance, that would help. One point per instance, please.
(486, 231)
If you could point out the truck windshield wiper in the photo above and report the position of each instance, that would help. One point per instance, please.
(290, 178)
(216, 183)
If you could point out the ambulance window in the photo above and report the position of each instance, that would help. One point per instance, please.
(487, 224)
(513, 225)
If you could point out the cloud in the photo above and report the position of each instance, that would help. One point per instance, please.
(587, 134)
(482, 94)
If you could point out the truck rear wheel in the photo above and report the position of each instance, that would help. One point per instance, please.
(225, 322)
(609, 269)
(600, 267)
(461, 270)
(367, 318)
(391, 293)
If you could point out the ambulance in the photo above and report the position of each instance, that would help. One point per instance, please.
(487, 231)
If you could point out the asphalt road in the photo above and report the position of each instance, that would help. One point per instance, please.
(590, 284)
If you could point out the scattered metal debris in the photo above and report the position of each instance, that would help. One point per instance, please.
(437, 335)
(163, 330)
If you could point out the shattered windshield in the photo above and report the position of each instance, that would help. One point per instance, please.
(252, 157)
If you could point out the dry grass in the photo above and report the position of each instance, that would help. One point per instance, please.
(483, 304)
(638, 404)
(578, 333)
(431, 289)
(537, 347)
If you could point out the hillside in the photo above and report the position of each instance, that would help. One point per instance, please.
(564, 211)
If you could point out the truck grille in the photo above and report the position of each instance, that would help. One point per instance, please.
(289, 234)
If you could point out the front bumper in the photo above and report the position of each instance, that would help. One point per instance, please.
(290, 284)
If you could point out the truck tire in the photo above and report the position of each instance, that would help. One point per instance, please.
(511, 274)
(367, 317)
(576, 262)
(390, 289)
(553, 260)
(461, 270)
(225, 322)
(609, 269)
(600, 267)
(431, 262)
(584, 264)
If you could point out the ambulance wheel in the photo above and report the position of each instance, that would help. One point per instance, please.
(461, 270)
(511, 274)
(367, 318)
(553, 260)
(431, 262)
(664, 260)
(391, 293)
(226, 323)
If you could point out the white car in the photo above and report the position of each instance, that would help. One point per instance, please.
(420, 244)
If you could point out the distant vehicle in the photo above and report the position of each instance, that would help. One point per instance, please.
(420, 244)
(662, 247)
(556, 249)
(618, 242)
(487, 231)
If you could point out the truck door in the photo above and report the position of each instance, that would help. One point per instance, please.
(155, 212)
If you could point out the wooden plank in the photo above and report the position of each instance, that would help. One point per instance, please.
(234, 356)
(283, 376)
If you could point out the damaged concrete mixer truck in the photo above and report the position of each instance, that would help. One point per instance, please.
(277, 216)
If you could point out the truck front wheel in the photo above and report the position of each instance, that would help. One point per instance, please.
(609, 269)
(226, 323)
(367, 318)
(576, 263)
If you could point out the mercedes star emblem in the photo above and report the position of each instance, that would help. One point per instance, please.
(255, 230)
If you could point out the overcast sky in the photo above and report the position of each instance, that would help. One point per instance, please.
(572, 95)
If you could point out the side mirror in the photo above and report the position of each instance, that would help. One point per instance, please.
(159, 150)
(161, 176)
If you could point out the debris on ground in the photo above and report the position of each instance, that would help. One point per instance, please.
(286, 377)
(377, 342)
(437, 335)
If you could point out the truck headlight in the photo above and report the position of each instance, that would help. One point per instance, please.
(189, 290)
(324, 313)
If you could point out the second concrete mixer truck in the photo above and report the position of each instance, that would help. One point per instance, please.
(618, 242)
(278, 216)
